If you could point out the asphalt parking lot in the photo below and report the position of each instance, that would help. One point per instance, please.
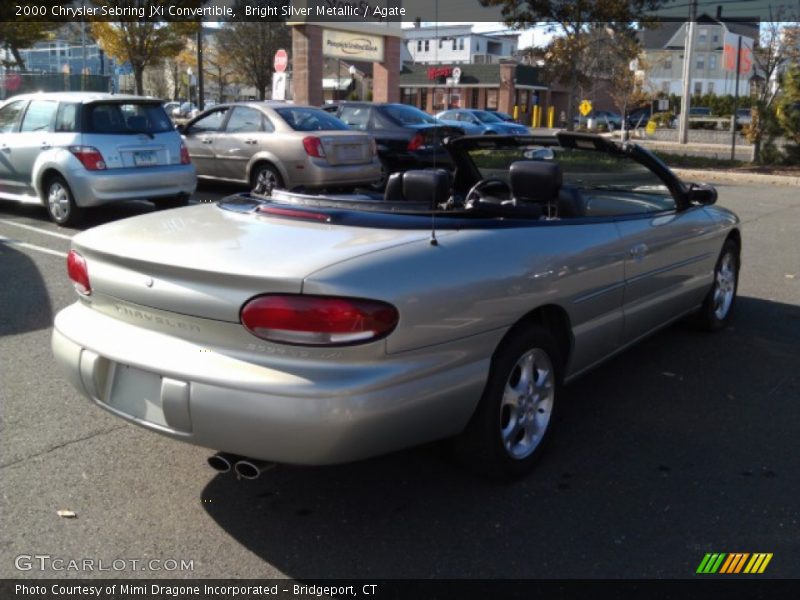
(687, 444)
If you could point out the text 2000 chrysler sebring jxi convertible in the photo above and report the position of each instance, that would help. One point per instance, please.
(319, 329)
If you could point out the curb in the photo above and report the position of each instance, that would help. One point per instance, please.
(737, 177)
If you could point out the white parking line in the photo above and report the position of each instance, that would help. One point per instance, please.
(36, 229)
(32, 247)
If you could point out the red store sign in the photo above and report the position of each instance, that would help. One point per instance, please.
(437, 72)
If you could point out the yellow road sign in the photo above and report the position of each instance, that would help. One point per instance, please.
(585, 107)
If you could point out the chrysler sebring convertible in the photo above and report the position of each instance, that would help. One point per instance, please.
(317, 329)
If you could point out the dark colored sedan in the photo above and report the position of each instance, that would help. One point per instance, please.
(407, 138)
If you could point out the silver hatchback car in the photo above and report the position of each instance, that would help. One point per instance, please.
(74, 150)
(277, 145)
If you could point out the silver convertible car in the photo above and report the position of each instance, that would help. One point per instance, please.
(319, 329)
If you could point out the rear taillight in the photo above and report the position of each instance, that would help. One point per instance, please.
(185, 160)
(89, 156)
(417, 142)
(318, 320)
(78, 273)
(313, 146)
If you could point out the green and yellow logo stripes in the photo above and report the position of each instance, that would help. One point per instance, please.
(734, 563)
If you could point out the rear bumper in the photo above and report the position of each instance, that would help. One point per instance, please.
(91, 188)
(290, 412)
(318, 173)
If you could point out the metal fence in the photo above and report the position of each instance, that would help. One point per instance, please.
(16, 82)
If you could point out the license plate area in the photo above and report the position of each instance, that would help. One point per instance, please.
(137, 393)
(145, 158)
(349, 152)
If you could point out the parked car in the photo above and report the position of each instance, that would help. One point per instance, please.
(638, 117)
(611, 120)
(73, 150)
(185, 110)
(407, 138)
(744, 116)
(266, 145)
(170, 107)
(502, 116)
(699, 111)
(477, 122)
(314, 329)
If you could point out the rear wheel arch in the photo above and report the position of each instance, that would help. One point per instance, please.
(554, 319)
(44, 178)
(264, 161)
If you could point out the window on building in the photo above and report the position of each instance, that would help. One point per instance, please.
(712, 61)
(441, 43)
(408, 96)
(710, 87)
(477, 46)
(702, 35)
(419, 45)
(665, 87)
(439, 99)
(668, 63)
(701, 62)
(698, 88)
(715, 37)
(461, 43)
(475, 98)
(427, 45)
(423, 99)
(491, 99)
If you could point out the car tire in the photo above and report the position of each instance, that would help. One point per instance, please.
(262, 176)
(60, 202)
(717, 309)
(380, 185)
(511, 426)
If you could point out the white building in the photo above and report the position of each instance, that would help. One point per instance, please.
(457, 44)
(664, 50)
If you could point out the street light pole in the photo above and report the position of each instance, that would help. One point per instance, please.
(688, 55)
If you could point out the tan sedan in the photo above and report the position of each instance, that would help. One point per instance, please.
(274, 144)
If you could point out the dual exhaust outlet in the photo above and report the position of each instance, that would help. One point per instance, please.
(246, 468)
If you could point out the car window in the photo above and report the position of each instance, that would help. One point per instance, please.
(357, 117)
(210, 123)
(39, 115)
(245, 120)
(448, 116)
(310, 119)
(406, 115)
(9, 115)
(610, 184)
(486, 117)
(466, 117)
(67, 118)
(127, 118)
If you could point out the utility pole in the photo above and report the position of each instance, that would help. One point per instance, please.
(688, 55)
(200, 91)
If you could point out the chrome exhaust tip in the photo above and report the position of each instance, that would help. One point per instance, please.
(222, 462)
(250, 468)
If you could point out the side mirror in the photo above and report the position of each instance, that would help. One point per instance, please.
(702, 193)
(539, 154)
(181, 128)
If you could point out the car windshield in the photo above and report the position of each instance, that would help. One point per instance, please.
(408, 115)
(132, 117)
(486, 117)
(581, 168)
(309, 119)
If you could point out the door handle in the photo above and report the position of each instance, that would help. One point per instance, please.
(5, 148)
(250, 141)
(206, 140)
(638, 251)
(46, 146)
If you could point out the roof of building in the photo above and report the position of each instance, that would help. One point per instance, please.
(659, 37)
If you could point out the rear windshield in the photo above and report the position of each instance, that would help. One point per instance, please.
(309, 119)
(114, 117)
(408, 115)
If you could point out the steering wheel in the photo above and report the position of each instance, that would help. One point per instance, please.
(474, 195)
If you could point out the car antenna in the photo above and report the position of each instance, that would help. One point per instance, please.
(433, 240)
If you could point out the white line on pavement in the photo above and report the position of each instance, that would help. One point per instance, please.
(36, 229)
(32, 247)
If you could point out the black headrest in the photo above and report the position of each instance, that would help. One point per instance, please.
(394, 188)
(535, 181)
(430, 185)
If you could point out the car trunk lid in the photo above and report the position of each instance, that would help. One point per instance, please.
(207, 262)
(346, 147)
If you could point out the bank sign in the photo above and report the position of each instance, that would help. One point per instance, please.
(352, 45)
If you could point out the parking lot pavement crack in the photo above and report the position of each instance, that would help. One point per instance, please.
(63, 445)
